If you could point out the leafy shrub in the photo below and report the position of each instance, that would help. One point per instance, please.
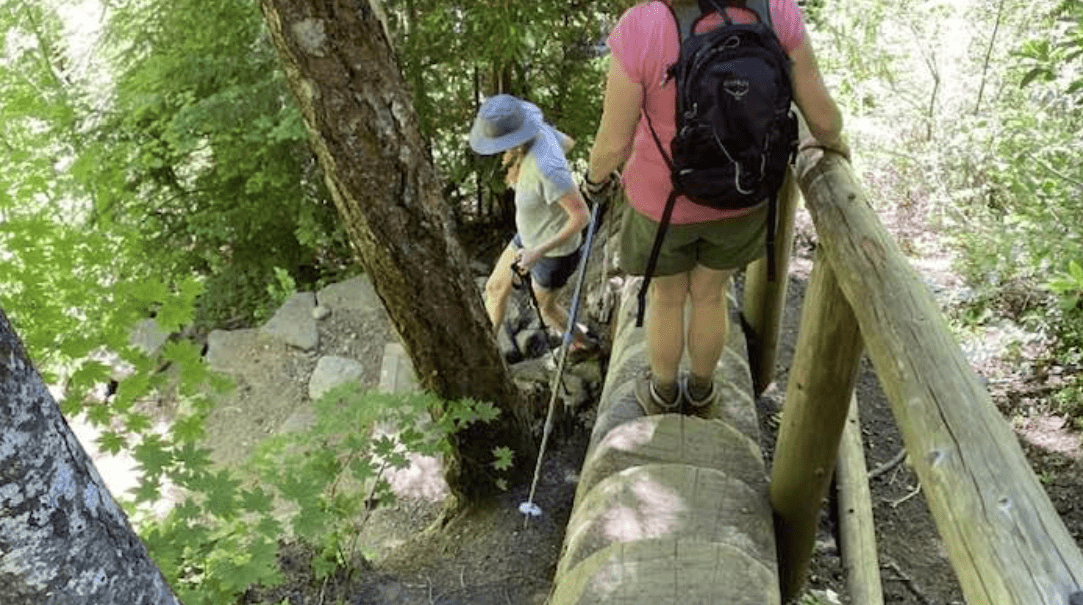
(317, 485)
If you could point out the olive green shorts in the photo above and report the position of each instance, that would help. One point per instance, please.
(723, 244)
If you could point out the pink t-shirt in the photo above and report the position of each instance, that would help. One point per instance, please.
(645, 42)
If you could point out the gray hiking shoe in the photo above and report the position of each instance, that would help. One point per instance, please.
(698, 406)
(650, 401)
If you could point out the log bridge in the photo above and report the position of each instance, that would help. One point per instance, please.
(673, 509)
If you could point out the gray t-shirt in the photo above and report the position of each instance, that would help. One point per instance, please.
(544, 178)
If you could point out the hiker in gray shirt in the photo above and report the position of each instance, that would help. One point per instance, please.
(550, 213)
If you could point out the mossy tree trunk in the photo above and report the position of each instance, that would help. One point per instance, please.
(364, 129)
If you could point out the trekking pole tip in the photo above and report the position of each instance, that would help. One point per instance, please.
(530, 509)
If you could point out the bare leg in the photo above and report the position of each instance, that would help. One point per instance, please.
(707, 327)
(498, 287)
(665, 322)
(556, 318)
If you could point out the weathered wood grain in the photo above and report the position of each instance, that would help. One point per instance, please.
(1004, 538)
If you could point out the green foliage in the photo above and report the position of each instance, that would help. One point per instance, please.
(1057, 56)
(203, 155)
(453, 53)
(338, 470)
(976, 134)
(1024, 211)
(317, 485)
(1067, 321)
(278, 291)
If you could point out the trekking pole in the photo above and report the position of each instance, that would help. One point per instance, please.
(529, 508)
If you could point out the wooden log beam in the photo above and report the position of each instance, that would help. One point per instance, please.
(1004, 538)
(817, 399)
(764, 301)
(857, 531)
(670, 508)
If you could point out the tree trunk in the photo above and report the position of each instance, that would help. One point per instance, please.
(341, 69)
(63, 539)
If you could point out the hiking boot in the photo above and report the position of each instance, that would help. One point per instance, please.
(650, 401)
(698, 406)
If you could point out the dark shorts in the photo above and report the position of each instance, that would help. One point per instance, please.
(552, 272)
(725, 244)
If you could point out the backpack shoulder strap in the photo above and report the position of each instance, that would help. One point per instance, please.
(762, 8)
(686, 17)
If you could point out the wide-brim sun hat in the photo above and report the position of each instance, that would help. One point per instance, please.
(503, 122)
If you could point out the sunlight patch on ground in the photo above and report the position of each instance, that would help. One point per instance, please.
(1050, 433)
(422, 479)
(120, 472)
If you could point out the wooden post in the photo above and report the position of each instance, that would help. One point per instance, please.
(856, 528)
(764, 301)
(1004, 538)
(817, 398)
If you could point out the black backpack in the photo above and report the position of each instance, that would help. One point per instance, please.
(736, 132)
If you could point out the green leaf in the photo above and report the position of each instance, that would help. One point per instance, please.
(487, 412)
(99, 415)
(1076, 271)
(137, 423)
(192, 458)
(152, 455)
(112, 442)
(503, 458)
(148, 490)
(256, 500)
(1035, 73)
(189, 429)
(221, 494)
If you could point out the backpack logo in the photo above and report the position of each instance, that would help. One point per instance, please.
(736, 87)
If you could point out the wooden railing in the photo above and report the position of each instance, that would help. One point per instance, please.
(644, 515)
(1005, 541)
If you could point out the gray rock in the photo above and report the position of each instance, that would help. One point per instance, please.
(225, 348)
(321, 312)
(298, 422)
(331, 372)
(148, 337)
(532, 343)
(293, 322)
(396, 370)
(356, 293)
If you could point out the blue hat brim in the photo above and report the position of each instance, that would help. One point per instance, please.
(484, 145)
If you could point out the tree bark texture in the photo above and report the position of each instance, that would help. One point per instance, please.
(1004, 538)
(341, 69)
(63, 539)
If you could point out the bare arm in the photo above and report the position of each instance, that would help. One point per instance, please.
(620, 114)
(812, 97)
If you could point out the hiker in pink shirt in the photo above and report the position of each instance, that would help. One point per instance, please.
(703, 246)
